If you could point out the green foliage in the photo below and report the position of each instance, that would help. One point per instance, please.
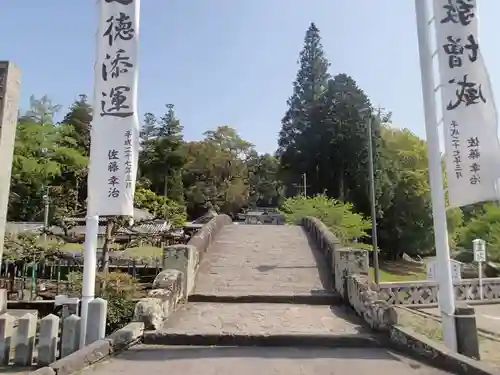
(30, 248)
(324, 137)
(347, 225)
(485, 226)
(221, 172)
(162, 157)
(216, 173)
(161, 207)
(265, 187)
(45, 155)
(119, 290)
(407, 226)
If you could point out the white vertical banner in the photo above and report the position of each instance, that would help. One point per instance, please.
(470, 119)
(114, 147)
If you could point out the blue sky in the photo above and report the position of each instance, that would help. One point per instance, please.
(232, 62)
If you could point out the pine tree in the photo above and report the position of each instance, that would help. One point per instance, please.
(308, 89)
(148, 127)
(80, 118)
(161, 158)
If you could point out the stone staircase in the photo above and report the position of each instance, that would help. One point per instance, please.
(261, 299)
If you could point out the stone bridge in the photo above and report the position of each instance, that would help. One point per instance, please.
(265, 299)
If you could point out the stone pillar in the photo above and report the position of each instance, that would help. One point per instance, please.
(70, 341)
(24, 340)
(466, 329)
(96, 326)
(6, 333)
(9, 107)
(47, 340)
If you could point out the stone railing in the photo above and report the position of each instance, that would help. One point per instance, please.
(204, 237)
(168, 290)
(349, 269)
(426, 292)
(24, 339)
(176, 281)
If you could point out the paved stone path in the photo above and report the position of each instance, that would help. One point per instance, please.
(259, 360)
(269, 261)
(262, 259)
(262, 318)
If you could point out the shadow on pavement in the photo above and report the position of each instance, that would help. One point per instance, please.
(162, 353)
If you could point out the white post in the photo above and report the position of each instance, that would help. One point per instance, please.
(304, 181)
(480, 265)
(479, 249)
(89, 270)
(446, 290)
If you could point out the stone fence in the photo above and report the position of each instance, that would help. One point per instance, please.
(27, 341)
(426, 292)
(376, 306)
(176, 281)
(349, 269)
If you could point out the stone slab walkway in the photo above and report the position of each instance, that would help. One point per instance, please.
(276, 337)
(262, 259)
(262, 318)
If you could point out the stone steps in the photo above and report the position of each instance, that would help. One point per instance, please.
(263, 324)
(296, 340)
(313, 298)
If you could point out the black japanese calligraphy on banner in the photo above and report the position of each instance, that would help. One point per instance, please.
(455, 142)
(456, 49)
(122, 2)
(467, 93)
(469, 119)
(128, 159)
(115, 125)
(116, 103)
(474, 157)
(459, 12)
(113, 179)
(117, 64)
(119, 27)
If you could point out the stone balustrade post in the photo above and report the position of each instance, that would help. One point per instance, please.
(24, 340)
(70, 339)
(96, 324)
(47, 341)
(6, 330)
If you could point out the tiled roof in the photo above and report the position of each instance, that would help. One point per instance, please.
(139, 214)
(155, 227)
(20, 226)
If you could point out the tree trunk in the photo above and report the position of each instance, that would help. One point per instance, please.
(341, 185)
(165, 187)
(105, 247)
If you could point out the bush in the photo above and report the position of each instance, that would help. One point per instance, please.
(118, 289)
(485, 226)
(337, 216)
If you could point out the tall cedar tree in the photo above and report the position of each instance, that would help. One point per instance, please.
(308, 89)
(343, 162)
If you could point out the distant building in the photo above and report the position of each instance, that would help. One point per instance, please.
(145, 225)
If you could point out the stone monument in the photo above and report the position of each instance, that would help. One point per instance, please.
(9, 107)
